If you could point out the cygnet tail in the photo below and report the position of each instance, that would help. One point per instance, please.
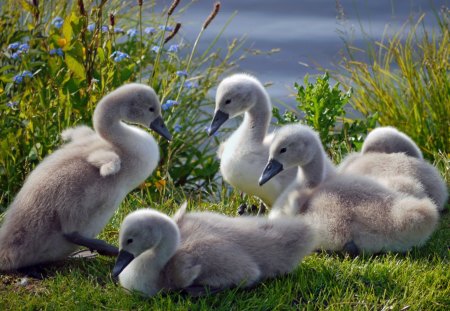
(181, 212)
(414, 221)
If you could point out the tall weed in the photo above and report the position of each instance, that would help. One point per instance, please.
(406, 80)
(58, 59)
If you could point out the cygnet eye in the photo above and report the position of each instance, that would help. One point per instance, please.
(282, 150)
(129, 241)
(151, 109)
(228, 101)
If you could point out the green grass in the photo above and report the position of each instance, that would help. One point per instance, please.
(418, 280)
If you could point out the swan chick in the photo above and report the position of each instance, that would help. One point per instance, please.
(390, 140)
(351, 213)
(243, 154)
(70, 196)
(395, 160)
(203, 249)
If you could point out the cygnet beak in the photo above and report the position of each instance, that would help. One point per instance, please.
(272, 168)
(122, 261)
(159, 127)
(219, 118)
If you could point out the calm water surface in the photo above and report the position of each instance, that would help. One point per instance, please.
(305, 31)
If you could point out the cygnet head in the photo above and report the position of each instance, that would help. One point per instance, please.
(133, 103)
(235, 95)
(143, 230)
(390, 140)
(293, 145)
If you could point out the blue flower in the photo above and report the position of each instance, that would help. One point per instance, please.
(181, 73)
(190, 84)
(57, 22)
(16, 55)
(119, 56)
(57, 51)
(155, 48)
(12, 104)
(177, 128)
(18, 78)
(149, 30)
(167, 28)
(132, 33)
(91, 27)
(24, 47)
(27, 73)
(169, 104)
(173, 48)
(14, 46)
(118, 30)
(105, 28)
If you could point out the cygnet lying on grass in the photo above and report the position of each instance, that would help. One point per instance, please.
(243, 154)
(394, 160)
(352, 213)
(71, 195)
(203, 249)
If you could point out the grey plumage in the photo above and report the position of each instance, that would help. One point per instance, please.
(244, 153)
(349, 208)
(208, 249)
(388, 139)
(399, 166)
(79, 186)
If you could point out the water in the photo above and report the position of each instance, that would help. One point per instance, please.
(306, 32)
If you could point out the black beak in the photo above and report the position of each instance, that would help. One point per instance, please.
(159, 127)
(122, 261)
(272, 168)
(219, 118)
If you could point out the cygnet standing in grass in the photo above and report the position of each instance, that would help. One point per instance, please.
(351, 213)
(396, 161)
(203, 249)
(70, 196)
(243, 154)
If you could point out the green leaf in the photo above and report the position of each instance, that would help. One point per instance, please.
(67, 29)
(76, 67)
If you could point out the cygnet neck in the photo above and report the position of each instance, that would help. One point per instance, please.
(108, 124)
(312, 173)
(257, 118)
(167, 246)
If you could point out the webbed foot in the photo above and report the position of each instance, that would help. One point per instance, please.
(98, 245)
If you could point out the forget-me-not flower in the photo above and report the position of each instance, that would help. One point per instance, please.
(132, 33)
(149, 30)
(118, 30)
(105, 28)
(167, 28)
(173, 48)
(57, 51)
(91, 27)
(181, 73)
(177, 128)
(18, 78)
(14, 46)
(12, 104)
(169, 104)
(16, 55)
(24, 47)
(155, 48)
(190, 84)
(119, 56)
(27, 73)
(57, 22)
